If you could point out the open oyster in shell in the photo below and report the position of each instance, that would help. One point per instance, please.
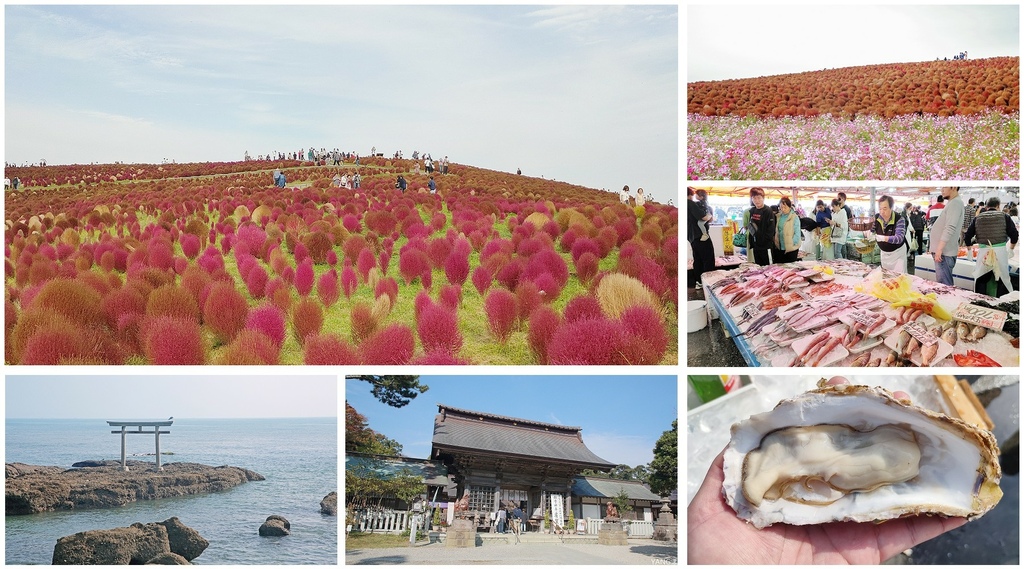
(855, 453)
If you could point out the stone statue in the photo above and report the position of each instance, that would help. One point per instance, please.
(462, 504)
(611, 513)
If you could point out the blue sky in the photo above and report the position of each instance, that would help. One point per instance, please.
(159, 396)
(622, 416)
(585, 94)
(733, 42)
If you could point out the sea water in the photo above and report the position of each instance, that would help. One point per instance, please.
(298, 457)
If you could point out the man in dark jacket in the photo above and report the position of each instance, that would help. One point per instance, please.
(917, 222)
(703, 250)
(760, 229)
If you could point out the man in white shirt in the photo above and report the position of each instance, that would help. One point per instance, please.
(944, 243)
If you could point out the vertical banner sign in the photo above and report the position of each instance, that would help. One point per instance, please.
(727, 234)
(557, 510)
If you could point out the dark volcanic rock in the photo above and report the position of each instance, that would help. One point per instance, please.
(34, 489)
(168, 559)
(329, 505)
(184, 541)
(274, 526)
(134, 545)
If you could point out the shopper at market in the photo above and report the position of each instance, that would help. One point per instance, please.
(703, 249)
(935, 209)
(944, 243)
(846, 208)
(970, 210)
(823, 217)
(760, 226)
(890, 231)
(917, 222)
(996, 236)
(787, 236)
(840, 229)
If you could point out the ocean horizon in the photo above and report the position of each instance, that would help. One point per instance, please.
(297, 456)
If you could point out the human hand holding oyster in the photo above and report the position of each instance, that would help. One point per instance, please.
(823, 461)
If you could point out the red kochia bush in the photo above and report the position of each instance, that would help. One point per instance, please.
(52, 345)
(80, 304)
(582, 307)
(393, 345)
(387, 286)
(173, 341)
(412, 263)
(543, 323)
(225, 311)
(250, 347)
(190, 245)
(307, 319)
(646, 335)
(509, 275)
(450, 296)
(586, 267)
(329, 349)
(438, 329)
(365, 262)
(121, 301)
(349, 280)
(363, 322)
(501, 310)
(256, 280)
(593, 341)
(456, 267)
(327, 288)
(528, 297)
(420, 303)
(172, 300)
(481, 279)
(268, 319)
(304, 277)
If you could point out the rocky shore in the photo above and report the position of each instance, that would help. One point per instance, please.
(102, 484)
(161, 543)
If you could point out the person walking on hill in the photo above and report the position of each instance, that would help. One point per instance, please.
(401, 184)
(624, 196)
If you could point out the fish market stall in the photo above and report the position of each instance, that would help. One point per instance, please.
(963, 271)
(844, 313)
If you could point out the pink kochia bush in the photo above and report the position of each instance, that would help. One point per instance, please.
(268, 319)
(349, 280)
(173, 341)
(250, 347)
(543, 323)
(305, 278)
(501, 310)
(647, 339)
(327, 288)
(482, 279)
(329, 349)
(307, 319)
(592, 341)
(225, 311)
(438, 329)
(393, 345)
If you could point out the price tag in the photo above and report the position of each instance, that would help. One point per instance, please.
(920, 333)
(980, 316)
(862, 318)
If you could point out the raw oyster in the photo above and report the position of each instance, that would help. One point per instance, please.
(855, 453)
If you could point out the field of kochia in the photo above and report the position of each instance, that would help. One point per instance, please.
(942, 88)
(211, 264)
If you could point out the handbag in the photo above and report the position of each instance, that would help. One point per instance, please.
(740, 239)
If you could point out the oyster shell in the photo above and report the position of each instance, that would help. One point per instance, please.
(855, 453)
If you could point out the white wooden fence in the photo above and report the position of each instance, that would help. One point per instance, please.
(383, 521)
(633, 528)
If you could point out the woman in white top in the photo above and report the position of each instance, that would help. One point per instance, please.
(640, 198)
(624, 196)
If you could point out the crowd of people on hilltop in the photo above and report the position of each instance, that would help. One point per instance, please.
(960, 56)
(320, 157)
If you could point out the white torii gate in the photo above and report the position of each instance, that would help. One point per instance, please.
(156, 432)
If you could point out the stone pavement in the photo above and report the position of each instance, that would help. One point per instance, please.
(638, 552)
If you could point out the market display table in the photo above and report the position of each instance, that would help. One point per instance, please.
(963, 271)
(741, 299)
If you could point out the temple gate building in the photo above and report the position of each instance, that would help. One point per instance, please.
(506, 460)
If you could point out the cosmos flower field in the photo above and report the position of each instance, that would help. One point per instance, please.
(908, 147)
(932, 120)
(143, 264)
